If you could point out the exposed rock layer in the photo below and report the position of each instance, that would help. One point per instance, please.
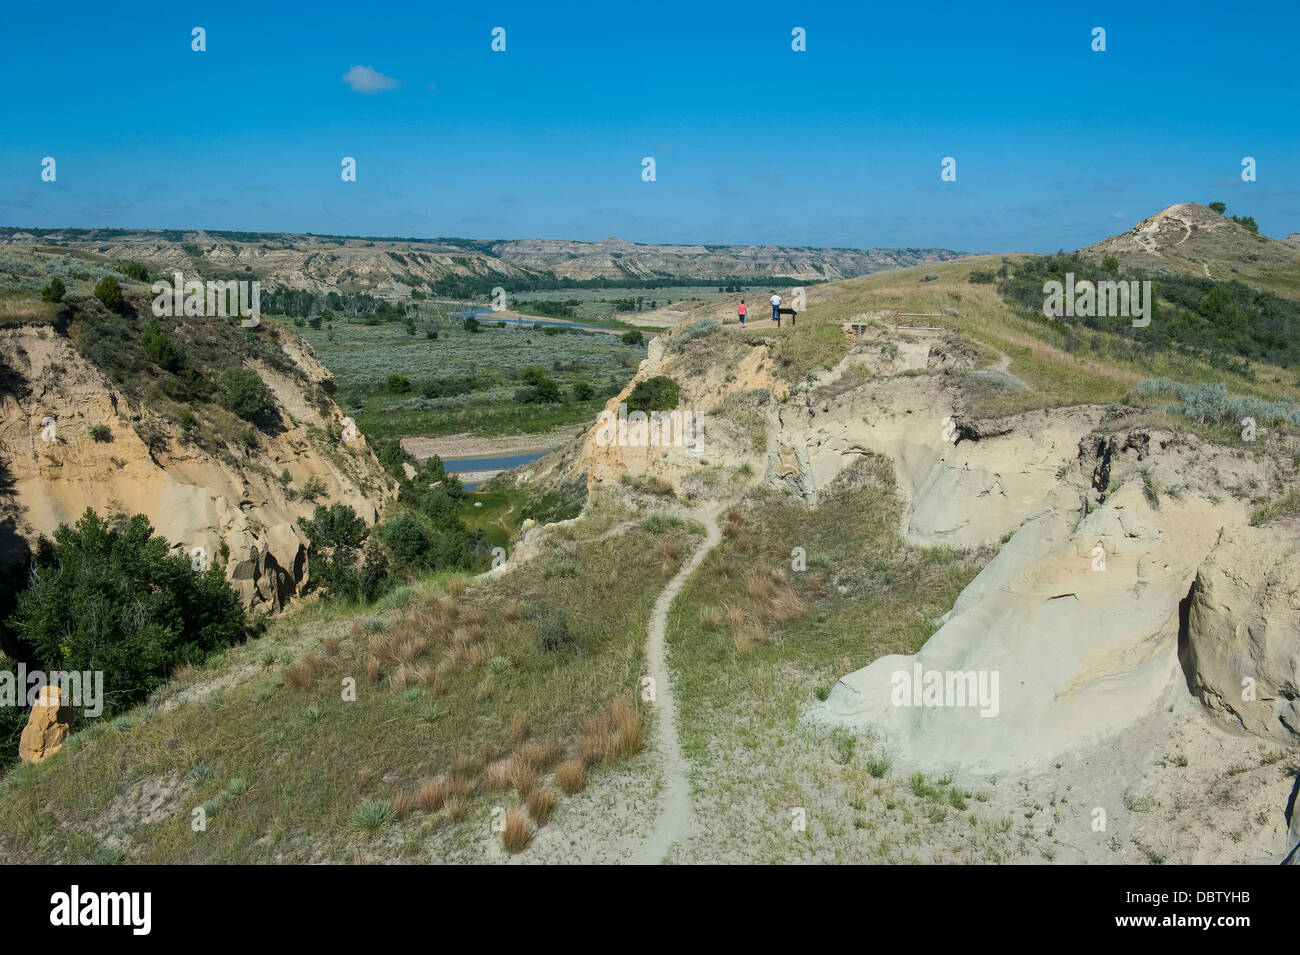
(209, 506)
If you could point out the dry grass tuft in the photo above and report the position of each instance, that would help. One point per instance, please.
(669, 551)
(519, 726)
(513, 610)
(331, 646)
(453, 662)
(410, 648)
(760, 585)
(403, 803)
(569, 775)
(456, 587)
(383, 645)
(771, 595)
(734, 531)
(541, 803)
(746, 631)
(711, 619)
(427, 622)
(462, 764)
(404, 677)
(432, 794)
(595, 744)
(497, 775)
(748, 637)
(373, 669)
(540, 755)
(522, 777)
(299, 676)
(457, 807)
(460, 784)
(628, 727)
(518, 830)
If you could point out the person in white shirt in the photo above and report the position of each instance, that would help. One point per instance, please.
(776, 308)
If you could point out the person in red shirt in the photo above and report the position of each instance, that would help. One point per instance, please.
(741, 311)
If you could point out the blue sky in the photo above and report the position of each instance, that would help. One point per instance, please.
(1056, 146)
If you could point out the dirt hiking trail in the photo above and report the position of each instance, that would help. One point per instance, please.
(676, 816)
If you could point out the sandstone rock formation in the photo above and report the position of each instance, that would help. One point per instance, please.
(47, 727)
(1241, 647)
(228, 504)
(1087, 611)
(606, 462)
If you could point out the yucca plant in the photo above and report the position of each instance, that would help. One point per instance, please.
(372, 815)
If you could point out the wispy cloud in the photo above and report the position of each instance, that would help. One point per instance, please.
(364, 79)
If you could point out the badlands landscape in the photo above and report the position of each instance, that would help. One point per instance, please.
(936, 577)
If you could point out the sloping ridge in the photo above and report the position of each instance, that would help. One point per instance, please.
(1191, 239)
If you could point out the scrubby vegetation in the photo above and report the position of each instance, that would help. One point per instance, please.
(498, 381)
(108, 595)
(54, 291)
(423, 531)
(241, 391)
(1227, 323)
(109, 293)
(700, 328)
(174, 365)
(132, 269)
(335, 536)
(659, 393)
(1211, 404)
(557, 502)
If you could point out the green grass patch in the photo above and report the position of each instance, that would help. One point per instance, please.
(1286, 506)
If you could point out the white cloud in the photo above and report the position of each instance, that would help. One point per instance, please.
(363, 79)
